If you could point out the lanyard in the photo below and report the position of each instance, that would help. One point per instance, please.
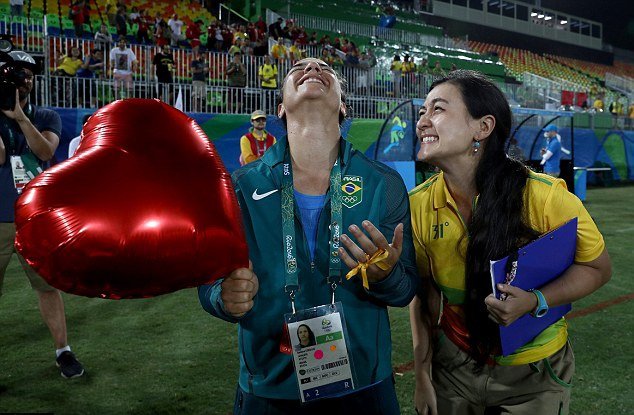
(288, 229)
(9, 129)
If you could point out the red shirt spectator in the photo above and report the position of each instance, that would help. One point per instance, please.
(260, 25)
(193, 33)
(302, 37)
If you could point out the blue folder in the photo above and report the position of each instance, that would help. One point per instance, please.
(538, 263)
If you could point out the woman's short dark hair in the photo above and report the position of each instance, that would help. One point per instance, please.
(499, 222)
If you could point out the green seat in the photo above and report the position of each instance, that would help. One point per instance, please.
(52, 20)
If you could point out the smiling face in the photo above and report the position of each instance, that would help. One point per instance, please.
(445, 128)
(310, 80)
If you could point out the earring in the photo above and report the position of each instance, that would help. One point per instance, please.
(476, 146)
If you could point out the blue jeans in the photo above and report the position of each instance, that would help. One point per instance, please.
(379, 399)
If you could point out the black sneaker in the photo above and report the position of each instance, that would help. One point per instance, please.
(69, 365)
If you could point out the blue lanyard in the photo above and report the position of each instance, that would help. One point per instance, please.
(288, 228)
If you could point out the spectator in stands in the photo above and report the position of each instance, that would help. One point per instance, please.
(235, 48)
(164, 66)
(267, 74)
(325, 40)
(133, 16)
(103, 39)
(239, 33)
(193, 35)
(278, 51)
(143, 28)
(363, 66)
(312, 39)
(91, 71)
(397, 73)
(261, 47)
(163, 34)
(121, 22)
(337, 61)
(597, 105)
(493, 206)
(437, 70)
(77, 15)
(236, 79)
(423, 67)
(123, 64)
(254, 144)
(16, 7)
(86, 12)
(409, 69)
(29, 133)
(176, 26)
(67, 67)
(326, 56)
(260, 24)
(295, 52)
(453, 67)
(275, 29)
(111, 13)
(214, 37)
(200, 70)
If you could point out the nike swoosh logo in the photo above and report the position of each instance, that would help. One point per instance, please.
(257, 196)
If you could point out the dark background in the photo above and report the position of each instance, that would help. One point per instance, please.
(617, 17)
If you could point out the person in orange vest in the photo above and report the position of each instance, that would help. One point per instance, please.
(254, 143)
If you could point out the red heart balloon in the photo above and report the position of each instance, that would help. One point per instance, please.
(145, 207)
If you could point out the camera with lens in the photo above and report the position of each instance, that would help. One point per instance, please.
(12, 74)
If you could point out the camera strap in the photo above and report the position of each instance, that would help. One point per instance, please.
(8, 130)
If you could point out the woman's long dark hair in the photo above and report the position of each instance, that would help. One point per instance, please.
(499, 222)
(311, 336)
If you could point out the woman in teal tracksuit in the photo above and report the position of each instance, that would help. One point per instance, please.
(372, 204)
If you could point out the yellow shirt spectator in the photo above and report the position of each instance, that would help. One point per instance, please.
(278, 51)
(70, 65)
(268, 75)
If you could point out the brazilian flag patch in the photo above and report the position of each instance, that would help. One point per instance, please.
(352, 191)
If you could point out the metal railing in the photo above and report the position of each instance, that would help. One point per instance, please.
(365, 30)
(28, 34)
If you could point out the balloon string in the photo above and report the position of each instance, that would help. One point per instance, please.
(378, 259)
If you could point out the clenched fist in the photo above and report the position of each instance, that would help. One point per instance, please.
(238, 291)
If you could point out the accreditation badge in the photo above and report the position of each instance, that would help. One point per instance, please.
(320, 352)
(25, 168)
(20, 176)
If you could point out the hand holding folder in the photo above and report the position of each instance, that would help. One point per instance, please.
(538, 263)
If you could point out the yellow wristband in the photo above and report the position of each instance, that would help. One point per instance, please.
(378, 259)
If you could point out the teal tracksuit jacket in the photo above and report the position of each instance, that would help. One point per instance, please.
(383, 200)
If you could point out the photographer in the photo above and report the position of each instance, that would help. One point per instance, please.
(28, 139)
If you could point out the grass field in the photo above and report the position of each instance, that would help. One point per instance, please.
(165, 355)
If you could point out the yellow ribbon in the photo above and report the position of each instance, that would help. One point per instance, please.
(378, 259)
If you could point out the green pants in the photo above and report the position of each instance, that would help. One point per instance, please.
(539, 388)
